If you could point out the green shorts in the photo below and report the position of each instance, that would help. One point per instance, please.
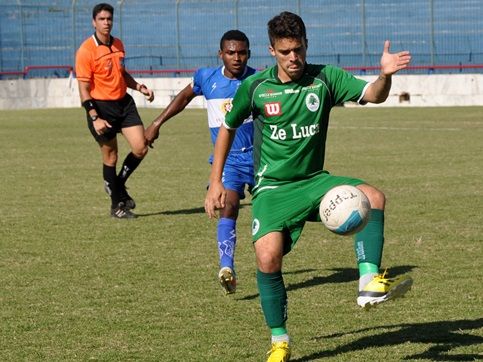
(287, 207)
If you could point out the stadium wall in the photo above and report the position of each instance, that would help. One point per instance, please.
(407, 90)
(185, 34)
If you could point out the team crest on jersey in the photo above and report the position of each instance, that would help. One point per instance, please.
(273, 109)
(255, 226)
(312, 102)
(226, 106)
(108, 65)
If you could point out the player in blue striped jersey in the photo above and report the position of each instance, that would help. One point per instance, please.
(218, 85)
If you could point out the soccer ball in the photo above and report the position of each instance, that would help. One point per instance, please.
(344, 210)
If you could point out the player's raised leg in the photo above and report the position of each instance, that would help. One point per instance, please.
(375, 288)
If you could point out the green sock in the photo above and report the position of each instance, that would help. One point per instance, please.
(369, 242)
(273, 298)
(368, 268)
(278, 331)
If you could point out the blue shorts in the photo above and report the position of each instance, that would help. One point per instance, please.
(238, 173)
(235, 178)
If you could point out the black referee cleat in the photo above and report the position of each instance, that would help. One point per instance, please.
(122, 212)
(127, 199)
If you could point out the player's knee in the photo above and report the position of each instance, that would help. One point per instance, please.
(140, 152)
(110, 159)
(269, 264)
(230, 210)
(376, 197)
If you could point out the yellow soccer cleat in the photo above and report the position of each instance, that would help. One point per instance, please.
(227, 279)
(280, 352)
(381, 289)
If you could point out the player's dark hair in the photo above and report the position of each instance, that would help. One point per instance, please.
(286, 25)
(101, 7)
(234, 35)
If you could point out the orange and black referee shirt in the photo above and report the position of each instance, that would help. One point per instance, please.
(103, 67)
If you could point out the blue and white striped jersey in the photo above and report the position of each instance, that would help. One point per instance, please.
(219, 91)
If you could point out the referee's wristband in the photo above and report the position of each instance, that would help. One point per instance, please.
(88, 105)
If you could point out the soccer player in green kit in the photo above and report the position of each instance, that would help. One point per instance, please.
(290, 103)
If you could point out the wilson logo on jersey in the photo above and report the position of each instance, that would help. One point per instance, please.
(273, 109)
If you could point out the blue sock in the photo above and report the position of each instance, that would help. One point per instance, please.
(227, 242)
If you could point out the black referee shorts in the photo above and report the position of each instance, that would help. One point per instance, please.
(120, 114)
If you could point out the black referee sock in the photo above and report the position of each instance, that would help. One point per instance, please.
(111, 184)
(130, 163)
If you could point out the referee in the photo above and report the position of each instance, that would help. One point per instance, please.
(103, 83)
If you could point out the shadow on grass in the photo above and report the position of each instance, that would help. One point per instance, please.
(195, 210)
(300, 271)
(441, 337)
(340, 275)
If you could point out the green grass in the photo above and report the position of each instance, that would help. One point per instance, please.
(78, 285)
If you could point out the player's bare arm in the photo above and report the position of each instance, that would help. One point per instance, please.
(216, 195)
(178, 104)
(131, 83)
(100, 125)
(391, 63)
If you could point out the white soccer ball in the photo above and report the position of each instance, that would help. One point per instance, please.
(345, 210)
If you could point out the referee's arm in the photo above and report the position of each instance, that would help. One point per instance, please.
(100, 125)
(131, 83)
(85, 95)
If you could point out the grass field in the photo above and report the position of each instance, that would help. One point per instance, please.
(78, 285)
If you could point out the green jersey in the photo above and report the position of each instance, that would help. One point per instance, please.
(291, 119)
